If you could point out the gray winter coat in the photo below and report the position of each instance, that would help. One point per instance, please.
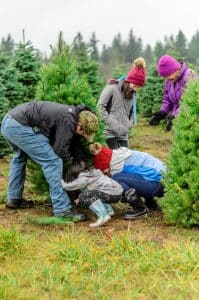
(94, 179)
(118, 121)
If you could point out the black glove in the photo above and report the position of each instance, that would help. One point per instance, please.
(169, 123)
(157, 117)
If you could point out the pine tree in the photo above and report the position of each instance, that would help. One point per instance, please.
(105, 55)
(181, 202)
(11, 93)
(86, 65)
(94, 54)
(181, 45)
(7, 45)
(193, 52)
(61, 82)
(27, 63)
(117, 50)
(159, 49)
(150, 96)
(106, 65)
(148, 54)
(133, 48)
(169, 43)
(3, 102)
(19, 75)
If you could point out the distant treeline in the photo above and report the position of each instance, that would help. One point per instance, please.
(122, 52)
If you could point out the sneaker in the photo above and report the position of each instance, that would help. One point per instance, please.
(131, 195)
(72, 215)
(19, 203)
(134, 214)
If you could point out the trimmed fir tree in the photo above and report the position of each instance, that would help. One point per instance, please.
(27, 63)
(11, 93)
(61, 82)
(19, 75)
(181, 201)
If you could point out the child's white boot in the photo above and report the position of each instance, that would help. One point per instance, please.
(109, 209)
(99, 209)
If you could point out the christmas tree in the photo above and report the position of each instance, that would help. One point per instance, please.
(61, 82)
(11, 93)
(27, 63)
(181, 202)
(19, 75)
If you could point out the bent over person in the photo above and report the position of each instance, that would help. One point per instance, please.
(45, 132)
(116, 105)
(176, 75)
(139, 173)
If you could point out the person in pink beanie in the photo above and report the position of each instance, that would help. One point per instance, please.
(177, 75)
(116, 105)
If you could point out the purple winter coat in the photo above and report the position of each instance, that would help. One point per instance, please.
(173, 91)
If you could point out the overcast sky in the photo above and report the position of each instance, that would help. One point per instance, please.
(150, 19)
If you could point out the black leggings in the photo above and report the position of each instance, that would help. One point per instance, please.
(115, 143)
(86, 198)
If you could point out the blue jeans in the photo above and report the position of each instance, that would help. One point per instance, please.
(26, 143)
(144, 188)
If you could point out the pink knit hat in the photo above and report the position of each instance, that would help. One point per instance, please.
(167, 65)
(137, 74)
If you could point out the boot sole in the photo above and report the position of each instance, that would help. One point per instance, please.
(94, 225)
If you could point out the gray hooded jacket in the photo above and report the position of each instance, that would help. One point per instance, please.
(94, 179)
(118, 120)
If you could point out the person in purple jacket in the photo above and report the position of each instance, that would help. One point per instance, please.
(176, 74)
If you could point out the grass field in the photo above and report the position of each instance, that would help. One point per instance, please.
(143, 259)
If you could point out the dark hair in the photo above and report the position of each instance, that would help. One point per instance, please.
(73, 171)
(128, 94)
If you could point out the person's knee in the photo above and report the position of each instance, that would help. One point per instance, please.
(20, 156)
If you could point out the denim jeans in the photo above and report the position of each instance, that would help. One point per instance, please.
(144, 188)
(28, 144)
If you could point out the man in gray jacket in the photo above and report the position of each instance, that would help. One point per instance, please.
(116, 105)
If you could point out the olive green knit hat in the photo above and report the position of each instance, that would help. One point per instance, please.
(89, 123)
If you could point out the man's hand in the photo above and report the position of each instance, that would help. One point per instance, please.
(107, 172)
(157, 117)
(76, 201)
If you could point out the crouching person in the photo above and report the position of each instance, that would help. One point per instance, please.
(45, 132)
(98, 191)
(138, 172)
